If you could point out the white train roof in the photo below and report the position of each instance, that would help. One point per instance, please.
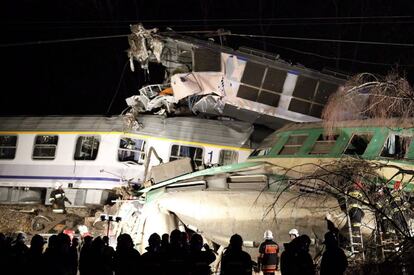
(230, 133)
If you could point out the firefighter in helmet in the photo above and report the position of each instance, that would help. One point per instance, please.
(58, 199)
(268, 254)
(355, 199)
(293, 233)
(399, 206)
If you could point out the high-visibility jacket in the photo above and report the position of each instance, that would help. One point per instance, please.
(269, 256)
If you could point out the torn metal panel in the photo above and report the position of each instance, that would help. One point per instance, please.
(172, 169)
(143, 46)
(152, 98)
(210, 104)
(189, 84)
(229, 132)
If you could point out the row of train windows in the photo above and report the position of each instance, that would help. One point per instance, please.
(396, 146)
(87, 147)
(44, 147)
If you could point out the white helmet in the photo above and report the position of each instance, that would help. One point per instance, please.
(58, 185)
(294, 232)
(268, 235)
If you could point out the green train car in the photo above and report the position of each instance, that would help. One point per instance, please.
(250, 197)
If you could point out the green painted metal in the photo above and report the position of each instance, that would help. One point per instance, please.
(345, 134)
(206, 172)
(373, 150)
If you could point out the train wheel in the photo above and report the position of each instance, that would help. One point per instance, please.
(39, 223)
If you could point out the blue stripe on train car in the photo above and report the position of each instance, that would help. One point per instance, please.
(57, 178)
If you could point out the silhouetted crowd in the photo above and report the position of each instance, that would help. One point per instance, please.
(173, 254)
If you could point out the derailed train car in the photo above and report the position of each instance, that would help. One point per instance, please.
(251, 197)
(90, 156)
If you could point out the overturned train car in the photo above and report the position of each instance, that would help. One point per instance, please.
(251, 197)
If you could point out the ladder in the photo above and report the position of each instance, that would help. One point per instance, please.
(387, 242)
(356, 241)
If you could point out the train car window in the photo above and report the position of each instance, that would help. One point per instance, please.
(227, 157)
(131, 150)
(293, 144)
(8, 147)
(358, 144)
(45, 147)
(396, 147)
(181, 151)
(87, 148)
(266, 146)
(323, 144)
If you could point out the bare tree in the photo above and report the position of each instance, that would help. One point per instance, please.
(368, 96)
(388, 200)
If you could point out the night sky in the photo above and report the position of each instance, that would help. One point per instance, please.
(82, 77)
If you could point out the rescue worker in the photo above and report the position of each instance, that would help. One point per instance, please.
(398, 208)
(268, 254)
(384, 211)
(293, 233)
(355, 197)
(58, 198)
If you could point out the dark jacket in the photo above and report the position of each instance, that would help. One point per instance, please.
(236, 262)
(333, 262)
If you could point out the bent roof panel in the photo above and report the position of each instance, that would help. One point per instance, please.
(229, 133)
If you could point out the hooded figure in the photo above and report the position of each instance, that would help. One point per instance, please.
(235, 261)
(200, 260)
(296, 260)
(334, 261)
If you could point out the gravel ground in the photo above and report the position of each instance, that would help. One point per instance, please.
(14, 218)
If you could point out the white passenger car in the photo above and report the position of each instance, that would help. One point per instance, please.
(92, 155)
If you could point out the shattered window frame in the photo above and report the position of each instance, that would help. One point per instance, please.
(324, 144)
(227, 157)
(351, 142)
(260, 152)
(136, 153)
(177, 150)
(45, 147)
(82, 143)
(265, 146)
(8, 146)
(400, 145)
(292, 146)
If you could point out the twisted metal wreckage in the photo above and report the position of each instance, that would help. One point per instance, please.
(301, 176)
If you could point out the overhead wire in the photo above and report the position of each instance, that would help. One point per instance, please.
(322, 40)
(333, 57)
(31, 43)
(299, 24)
(217, 19)
(246, 36)
(227, 34)
(198, 23)
(117, 89)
